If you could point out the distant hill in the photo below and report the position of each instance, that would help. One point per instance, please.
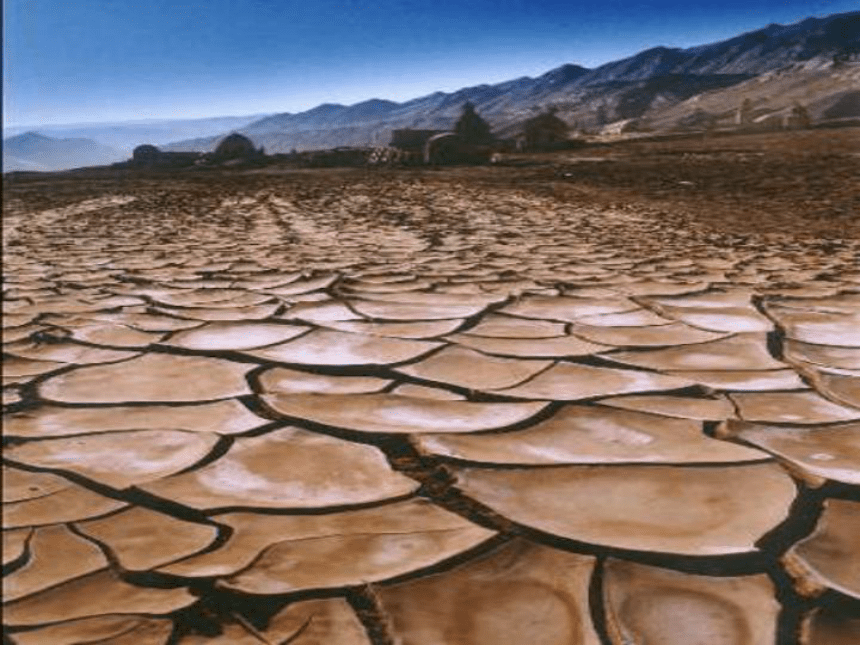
(34, 151)
(816, 59)
(127, 135)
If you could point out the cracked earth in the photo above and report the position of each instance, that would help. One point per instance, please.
(357, 409)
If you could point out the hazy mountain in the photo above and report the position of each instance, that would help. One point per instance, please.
(34, 151)
(126, 135)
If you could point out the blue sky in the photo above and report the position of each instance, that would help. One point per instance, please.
(108, 60)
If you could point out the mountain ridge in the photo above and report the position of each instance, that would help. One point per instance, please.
(658, 88)
(636, 87)
(126, 135)
(36, 151)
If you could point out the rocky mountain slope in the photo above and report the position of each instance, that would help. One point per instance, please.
(34, 151)
(661, 87)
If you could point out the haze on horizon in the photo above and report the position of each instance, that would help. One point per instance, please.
(114, 60)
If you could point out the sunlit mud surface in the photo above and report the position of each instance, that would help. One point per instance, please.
(357, 408)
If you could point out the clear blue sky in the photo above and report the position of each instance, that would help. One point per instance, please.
(71, 61)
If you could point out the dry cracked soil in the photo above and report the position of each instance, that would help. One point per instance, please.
(605, 397)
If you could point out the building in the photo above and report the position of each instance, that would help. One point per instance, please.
(470, 141)
(545, 131)
(449, 148)
(148, 156)
(236, 146)
(410, 140)
(745, 113)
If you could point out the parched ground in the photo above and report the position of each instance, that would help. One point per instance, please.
(604, 396)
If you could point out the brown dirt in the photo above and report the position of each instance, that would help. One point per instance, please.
(748, 246)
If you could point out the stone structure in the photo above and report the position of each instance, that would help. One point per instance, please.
(799, 119)
(149, 156)
(146, 154)
(470, 141)
(546, 131)
(450, 148)
(411, 140)
(390, 156)
(236, 146)
(745, 114)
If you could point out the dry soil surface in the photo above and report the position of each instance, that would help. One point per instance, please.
(603, 397)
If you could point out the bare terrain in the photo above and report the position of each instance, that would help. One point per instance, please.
(608, 396)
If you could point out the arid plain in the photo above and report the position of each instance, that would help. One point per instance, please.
(609, 396)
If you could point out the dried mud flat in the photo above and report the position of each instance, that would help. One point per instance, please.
(598, 399)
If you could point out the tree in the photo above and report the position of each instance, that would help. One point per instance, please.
(472, 128)
(745, 113)
(800, 117)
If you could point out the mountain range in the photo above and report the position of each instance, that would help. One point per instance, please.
(814, 62)
(34, 151)
(126, 135)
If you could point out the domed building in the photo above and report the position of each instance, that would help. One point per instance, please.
(146, 154)
(236, 146)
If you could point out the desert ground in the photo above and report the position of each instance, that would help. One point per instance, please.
(604, 396)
